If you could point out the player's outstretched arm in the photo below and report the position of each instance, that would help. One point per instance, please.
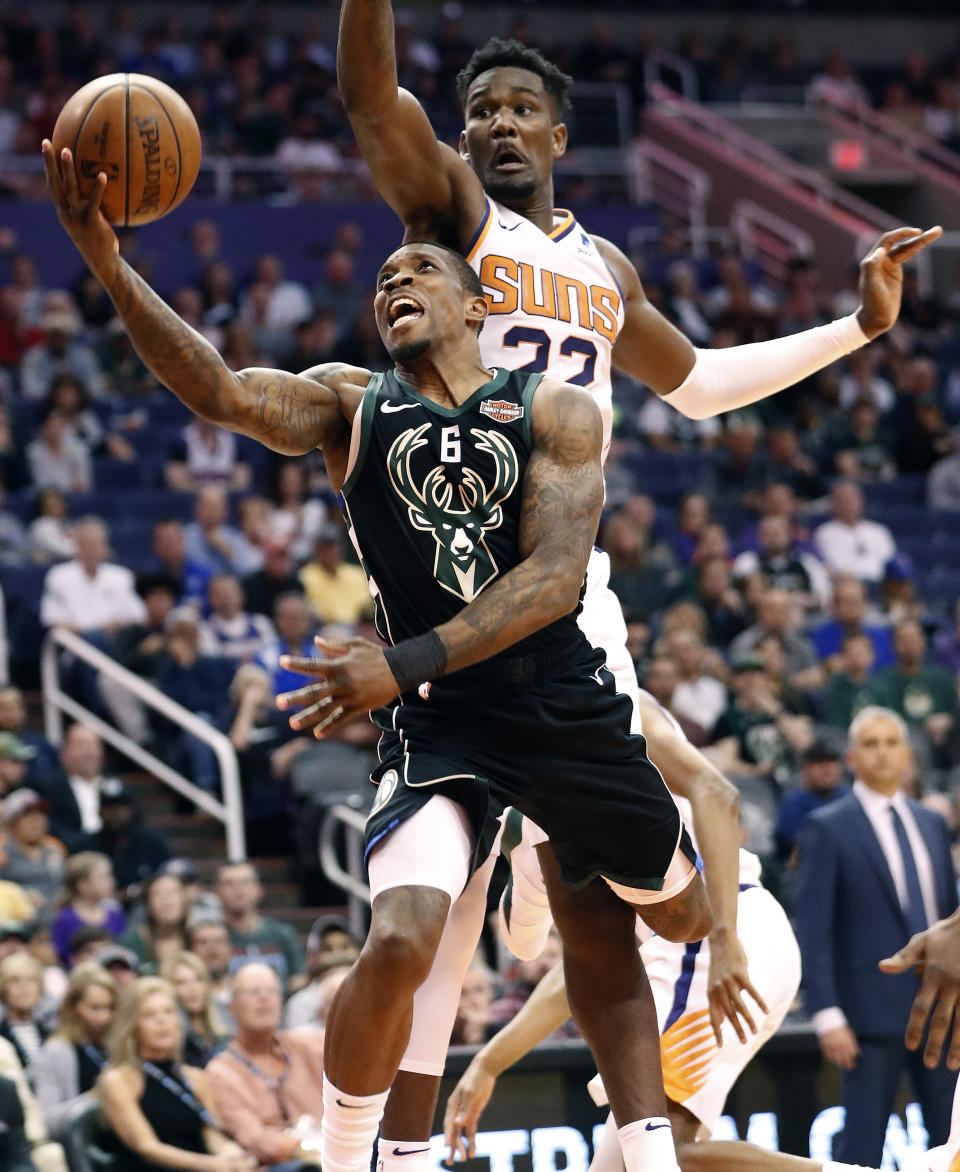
(545, 1010)
(562, 500)
(433, 191)
(287, 413)
(704, 383)
(715, 804)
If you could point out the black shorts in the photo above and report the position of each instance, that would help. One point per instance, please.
(549, 735)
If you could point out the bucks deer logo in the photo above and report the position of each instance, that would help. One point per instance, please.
(462, 564)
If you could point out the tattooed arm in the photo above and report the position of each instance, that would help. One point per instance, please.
(562, 500)
(287, 413)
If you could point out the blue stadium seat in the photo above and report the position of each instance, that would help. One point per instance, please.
(117, 474)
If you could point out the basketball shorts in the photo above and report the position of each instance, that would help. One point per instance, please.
(549, 734)
(601, 620)
(696, 1072)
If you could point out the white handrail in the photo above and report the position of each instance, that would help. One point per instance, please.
(351, 880)
(56, 702)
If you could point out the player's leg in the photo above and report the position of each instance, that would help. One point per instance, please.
(411, 1106)
(416, 872)
(612, 1003)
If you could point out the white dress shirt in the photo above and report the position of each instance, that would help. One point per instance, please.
(877, 808)
(87, 794)
(862, 549)
(72, 597)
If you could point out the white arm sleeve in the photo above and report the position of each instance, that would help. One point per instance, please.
(723, 380)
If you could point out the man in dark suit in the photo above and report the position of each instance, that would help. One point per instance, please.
(74, 792)
(874, 868)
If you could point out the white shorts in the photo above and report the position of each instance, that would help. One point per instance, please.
(696, 1072)
(601, 620)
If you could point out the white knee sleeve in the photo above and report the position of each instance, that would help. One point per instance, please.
(433, 848)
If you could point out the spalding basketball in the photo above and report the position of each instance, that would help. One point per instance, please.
(142, 135)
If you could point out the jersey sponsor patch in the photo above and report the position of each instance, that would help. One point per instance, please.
(385, 790)
(501, 410)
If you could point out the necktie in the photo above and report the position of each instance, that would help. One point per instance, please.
(914, 911)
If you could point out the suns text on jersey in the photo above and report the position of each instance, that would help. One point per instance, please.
(510, 285)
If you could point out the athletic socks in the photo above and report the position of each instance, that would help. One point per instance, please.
(349, 1129)
(403, 1155)
(647, 1146)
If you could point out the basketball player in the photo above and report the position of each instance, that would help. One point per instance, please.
(566, 302)
(474, 497)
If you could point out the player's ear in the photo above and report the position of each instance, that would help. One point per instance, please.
(559, 140)
(464, 153)
(477, 309)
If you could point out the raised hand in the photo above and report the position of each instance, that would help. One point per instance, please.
(80, 215)
(881, 276)
(935, 954)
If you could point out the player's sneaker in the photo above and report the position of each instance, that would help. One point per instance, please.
(525, 919)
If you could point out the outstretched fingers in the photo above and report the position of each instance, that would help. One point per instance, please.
(907, 248)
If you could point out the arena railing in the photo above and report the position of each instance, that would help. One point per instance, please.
(56, 704)
(343, 820)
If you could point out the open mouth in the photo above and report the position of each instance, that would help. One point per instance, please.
(509, 160)
(403, 308)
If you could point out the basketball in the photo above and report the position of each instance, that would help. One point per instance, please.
(142, 135)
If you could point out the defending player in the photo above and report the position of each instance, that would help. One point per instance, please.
(474, 497)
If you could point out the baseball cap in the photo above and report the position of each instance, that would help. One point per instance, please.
(114, 792)
(748, 661)
(13, 749)
(117, 954)
(822, 750)
(21, 802)
(321, 926)
(900, 568)
(14, 929)
(183, 869)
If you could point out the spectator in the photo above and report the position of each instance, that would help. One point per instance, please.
(719, 600)
(209, 541)
(163, 933)
(206, 455)
(90, 593)
(296, 518)
(159, 1111)
(340, 292)
(29, 856)
(267, 1078)
(521, 980)
(60, 353)
(21, 987)
(862, 450)
(946, 644)
(693, 516)
(474, 1023)
(50, 538)
(287, 302)
(784, 565)
(230, 631)
(136, 849)
(170, 560)
(209, 939)
(47, 1157)
(120, 963)
(790, 466)
(204, 1033)
(848, 544)
(15, 1153)
(75, 795)
(86, 943)
(140, 646)
(336, 590)
(57, 459)
(837, 84)
(329, 946)
(923, 695)
(846, 691)
(13, 539)
(69, 397)
(252, 935)
(88, 889)
(699, 695)
(874, 868)
(14, 758)
(898, 593)
(774, 621)
(862, 381)
(294, 626)
(821, 782)
(254, 515)
(849, 611)
(71, 1059)
(738, 471)
(275, 578)
(639, 576)
(13, 719)
(943, 480)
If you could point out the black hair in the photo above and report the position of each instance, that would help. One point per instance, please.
(501, 52)
(469, 281)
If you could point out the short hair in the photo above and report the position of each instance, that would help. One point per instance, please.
(87, 975)
(470, 283)
(876, 712)
(503, 52)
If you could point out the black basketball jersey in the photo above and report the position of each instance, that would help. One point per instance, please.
(433, 500)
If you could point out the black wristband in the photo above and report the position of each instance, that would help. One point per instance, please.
(417, 661)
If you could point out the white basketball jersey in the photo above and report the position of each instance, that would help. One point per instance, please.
(555, 306)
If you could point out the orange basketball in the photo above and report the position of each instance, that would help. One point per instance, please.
(142, 135)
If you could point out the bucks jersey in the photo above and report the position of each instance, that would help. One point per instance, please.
(554, 304)
(433, 497)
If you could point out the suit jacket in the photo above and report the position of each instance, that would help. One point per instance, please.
(65, 820)
(848, 917)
